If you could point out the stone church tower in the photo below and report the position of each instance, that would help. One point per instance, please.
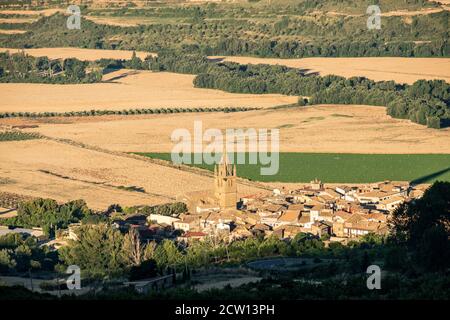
(225, 188)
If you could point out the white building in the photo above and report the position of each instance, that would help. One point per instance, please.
(160, 219)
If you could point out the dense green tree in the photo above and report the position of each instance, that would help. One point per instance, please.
(6, 260)
(167, 254)
(20, 67)
(21, 252)
(98, 251)
(48, 214)
(423, 225)
(168, 209)
(145, 270)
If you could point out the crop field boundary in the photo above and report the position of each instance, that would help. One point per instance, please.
(137, 111)
(160, 162)
(107, 185)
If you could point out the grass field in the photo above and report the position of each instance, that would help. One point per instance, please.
(347, 168)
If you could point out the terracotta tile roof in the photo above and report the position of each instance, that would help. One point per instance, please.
(274, 207)
(392, 200)
(290, 216)
(343, 214)
(304, 219)
(355, 218)
(373, 194)
(326, 213)
(317, 207)
(297, 206)
(378, 216)
(241, 230)
(332, 193)
(292, 229)
(371, 226)
(190, 219)
(261, 226)
(191, 234)
(322, 223)
(345, 188)
(327, 197)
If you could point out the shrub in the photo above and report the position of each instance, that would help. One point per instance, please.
(434, 122)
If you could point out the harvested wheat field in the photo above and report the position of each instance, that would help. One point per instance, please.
(424, 11)
(79, 53)
(12, 31)
(401, 70)
(43, 12)
(444, 2)
(122, 21)
(396, 13)
(18, 20)
(323, 128)
(126, 89)
(44, 168)
(7, 213)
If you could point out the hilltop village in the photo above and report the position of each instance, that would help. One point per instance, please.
(333, 213)
(336, 213)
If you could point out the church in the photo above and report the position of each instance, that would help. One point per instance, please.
(225, 187)
(224, 195)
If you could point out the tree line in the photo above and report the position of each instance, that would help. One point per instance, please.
(285, 36)
(48, 215)
(125, 112)
(18, 135)
(426, 102)
(329, 48)
(20, 67)
(21, 253)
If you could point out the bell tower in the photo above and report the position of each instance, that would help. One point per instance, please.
(225, 188)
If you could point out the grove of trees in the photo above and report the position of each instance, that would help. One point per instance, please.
(422, 226)
(271, 31)
(21, 253)
(20, 67)
(48, 215)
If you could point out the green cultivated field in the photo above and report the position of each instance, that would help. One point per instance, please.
(350, 168)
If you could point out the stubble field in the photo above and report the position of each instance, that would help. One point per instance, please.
(322, 128)
(79, 53)
(125, 89)
(44, 168)
(61, 171)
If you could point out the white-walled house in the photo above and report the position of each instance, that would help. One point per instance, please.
(160, 219)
